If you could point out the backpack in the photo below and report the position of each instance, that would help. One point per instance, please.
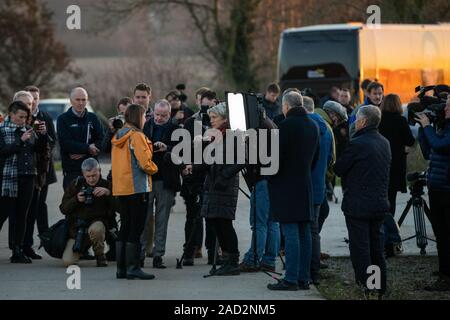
(54, 240)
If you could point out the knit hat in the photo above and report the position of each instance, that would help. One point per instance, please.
(337, 108)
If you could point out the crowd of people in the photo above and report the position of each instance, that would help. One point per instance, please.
(319, 139)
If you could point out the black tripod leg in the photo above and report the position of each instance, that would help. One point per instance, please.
(405, 212)
(427, 210)
(255, 250)
(212, 272)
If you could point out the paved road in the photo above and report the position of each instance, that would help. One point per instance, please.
(46, 279)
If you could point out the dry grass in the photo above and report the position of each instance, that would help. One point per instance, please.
(407, 276)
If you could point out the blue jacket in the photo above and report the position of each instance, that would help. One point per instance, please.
(364, 167)
(75, 138)
(325, 158)
(436, 148)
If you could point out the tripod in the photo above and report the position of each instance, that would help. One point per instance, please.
(420, 209)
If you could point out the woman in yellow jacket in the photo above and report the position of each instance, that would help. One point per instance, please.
(132, 167)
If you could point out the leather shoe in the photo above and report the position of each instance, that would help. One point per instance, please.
(158, 263)
(282, 285)
(30, 253)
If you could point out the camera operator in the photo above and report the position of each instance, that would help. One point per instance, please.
(192, 189)
(179, 112)
(166, 182)
(270, 105)
(88, 205)
(435, 147)
(364, 166)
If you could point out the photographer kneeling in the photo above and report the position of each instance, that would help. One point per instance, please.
(88, 204)
(436, 148)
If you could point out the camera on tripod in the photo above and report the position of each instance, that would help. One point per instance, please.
(81, 226)
(431, 105)
(417, 181)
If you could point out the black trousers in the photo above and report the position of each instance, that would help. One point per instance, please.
(366, 248)
(193, 227)
(392, 196)
(37, 214)
(69, 177)
(133, 213)
(440, 221)
(323, 213)
(16, 209)
(226, 234)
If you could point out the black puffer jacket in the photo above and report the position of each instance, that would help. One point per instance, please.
(364, 167)
(220, 190)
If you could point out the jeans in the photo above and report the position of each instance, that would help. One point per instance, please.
(315, 236)
(366, 248)
(267, 231)
(440, 221)
(298, 247)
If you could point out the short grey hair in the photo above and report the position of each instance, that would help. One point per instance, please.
(89, 165)
(293, 99)
(308, 104)
(163, 103)
(21, 94)
(220, 110)
(371, 113)
(78, 89)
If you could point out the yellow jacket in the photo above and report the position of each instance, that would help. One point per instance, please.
(132, 164)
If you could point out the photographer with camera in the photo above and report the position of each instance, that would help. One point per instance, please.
(88, 205)
(179, 112)
(435, 145)
(192, 189)
(19, 144)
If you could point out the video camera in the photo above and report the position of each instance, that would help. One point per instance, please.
(181, 87)
(417, 181)
(432, 106)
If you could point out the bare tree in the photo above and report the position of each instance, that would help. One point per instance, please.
(29, 52)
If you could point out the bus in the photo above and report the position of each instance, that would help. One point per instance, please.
(401, 57)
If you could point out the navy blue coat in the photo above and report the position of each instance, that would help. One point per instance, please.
(436, 148)
(291, 190)
(325, 158)
(73, 137)
(364, 167)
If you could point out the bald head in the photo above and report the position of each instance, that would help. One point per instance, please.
(79, 99)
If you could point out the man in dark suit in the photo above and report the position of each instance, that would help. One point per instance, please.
(46, 175)
(364, 166)
(291, 191)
